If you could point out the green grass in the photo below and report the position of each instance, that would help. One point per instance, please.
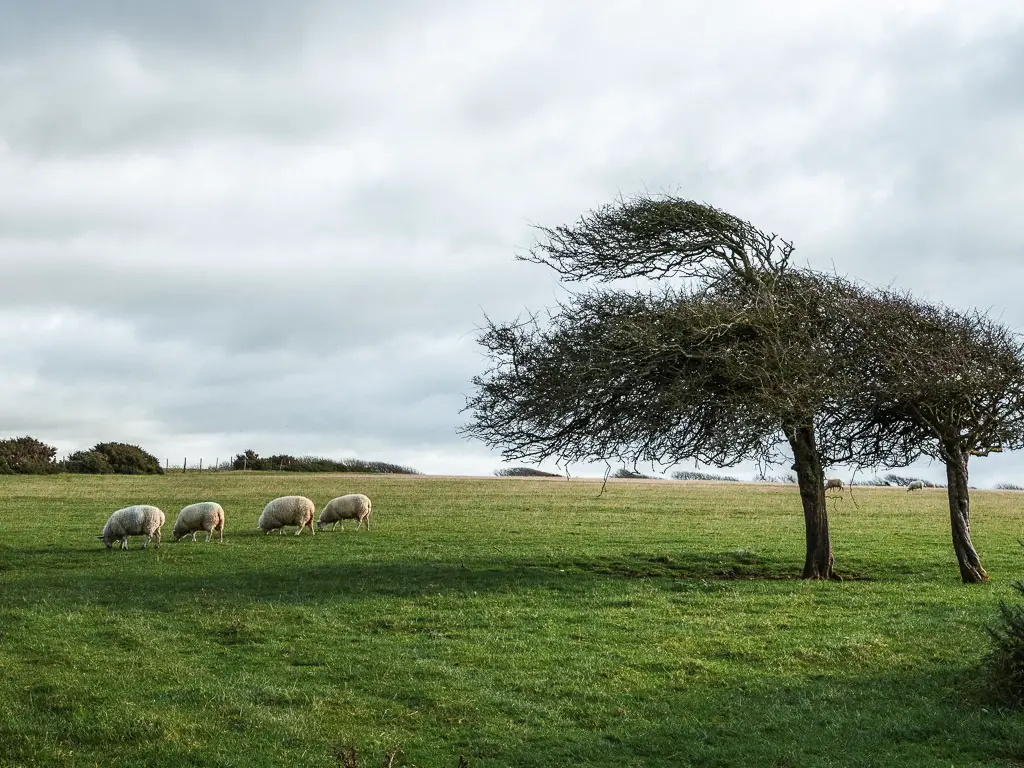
(519, 622)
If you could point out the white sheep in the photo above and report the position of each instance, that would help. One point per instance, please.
(353, 506)
(288, 510)
(139, 520)
(916, 485)
(833, 483)
(205, 516)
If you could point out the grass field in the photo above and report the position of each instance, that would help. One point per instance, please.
(516, 622)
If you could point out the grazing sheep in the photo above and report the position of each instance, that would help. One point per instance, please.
(917, 485)
(833, 483)
(139, 520)
(288, 510)
(205, 516)
(353, 506)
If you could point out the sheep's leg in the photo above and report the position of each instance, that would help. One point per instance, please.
(156, 538)
(149, 538)
(194, 535)
(124, 542)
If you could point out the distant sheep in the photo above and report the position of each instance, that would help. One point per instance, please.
(353, 506)
(205, 516)
(833, 483)
(288, 510)
(139, 520)
(916, 485)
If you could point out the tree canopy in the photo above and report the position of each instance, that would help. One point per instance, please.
(746, 357)
(946, 383)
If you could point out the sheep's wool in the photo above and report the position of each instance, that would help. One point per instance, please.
(287, 510)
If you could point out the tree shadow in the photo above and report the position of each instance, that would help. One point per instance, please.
(149, 581)
(910, 717)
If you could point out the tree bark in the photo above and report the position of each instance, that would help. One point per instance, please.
(959, 495)
(811, 478)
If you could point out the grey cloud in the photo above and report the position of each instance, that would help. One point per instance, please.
(327, 307)
(277, 225)
(257, 32)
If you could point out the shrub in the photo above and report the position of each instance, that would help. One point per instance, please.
(128, 459)
(875, 481)
(248, 459)
(905, 481)
(87, 463)
(523, 472)
(382, 467)
(1007, 656)
(26, 456)
(1009, 487)
(283, 462)
(628, 474)
(113, 458)
(686, 474)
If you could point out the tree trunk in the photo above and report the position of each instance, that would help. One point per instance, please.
(811, 477)
(959, 495)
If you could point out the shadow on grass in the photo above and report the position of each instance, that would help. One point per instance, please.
(737, 564)
(142, 579)
(912, 717)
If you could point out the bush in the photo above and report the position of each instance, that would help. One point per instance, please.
(1007, 657)
(283, 462)
(1008, 487)
(692, 475)
(87, 463)
(523, 472)
(113, 458)
(249, 459)
(905, 481)
(873, 481)
(26, 456)
(383, 467)
(129, 459)
(628, 474)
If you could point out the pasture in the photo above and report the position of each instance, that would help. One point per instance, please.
(517, 622)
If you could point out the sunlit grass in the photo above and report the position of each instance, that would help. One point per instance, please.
(518, 622)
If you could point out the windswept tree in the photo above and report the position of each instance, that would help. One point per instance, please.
(751, 356)
(949, 383)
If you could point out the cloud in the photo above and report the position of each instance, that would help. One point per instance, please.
(278, 225)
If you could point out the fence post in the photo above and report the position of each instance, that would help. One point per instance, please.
(184, 464)
(167, 465)
(200, 464)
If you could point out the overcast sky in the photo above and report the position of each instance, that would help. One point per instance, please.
(278, 225)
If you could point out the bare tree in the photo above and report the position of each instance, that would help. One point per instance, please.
(756, 355)
(950, 383)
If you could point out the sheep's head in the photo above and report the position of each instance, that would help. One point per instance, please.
(103, 538)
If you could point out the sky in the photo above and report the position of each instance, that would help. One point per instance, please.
(279, 226)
